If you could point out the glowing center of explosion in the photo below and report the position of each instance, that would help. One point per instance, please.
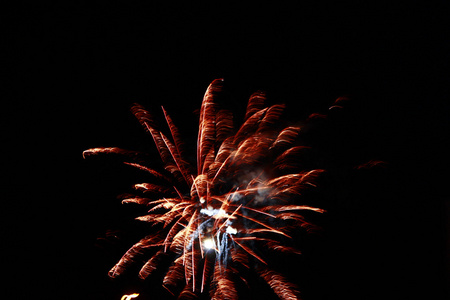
(208, 243)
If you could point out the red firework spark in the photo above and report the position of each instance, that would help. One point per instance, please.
(241, 197)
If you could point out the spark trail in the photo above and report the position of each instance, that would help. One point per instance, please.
(213, 217)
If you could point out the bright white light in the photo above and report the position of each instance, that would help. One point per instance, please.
(208, 243)
(202, 200)
(231, 230)
(216, 213)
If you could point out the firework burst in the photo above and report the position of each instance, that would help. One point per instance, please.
(213, 219)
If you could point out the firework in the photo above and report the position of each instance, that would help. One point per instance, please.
(213, 218)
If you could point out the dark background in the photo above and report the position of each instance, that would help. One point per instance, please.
(78, 67)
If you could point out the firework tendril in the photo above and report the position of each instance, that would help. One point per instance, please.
(244, 196)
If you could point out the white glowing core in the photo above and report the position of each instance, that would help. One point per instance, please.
(208, 243)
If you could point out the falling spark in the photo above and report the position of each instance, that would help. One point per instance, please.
(128, 297)
(241, 195)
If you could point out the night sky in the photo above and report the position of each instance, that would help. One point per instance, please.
(78, 68)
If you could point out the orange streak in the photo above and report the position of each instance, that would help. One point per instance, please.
(203, 275)
(193, 265)
(249, 251)
(174, 156)
(265, 225)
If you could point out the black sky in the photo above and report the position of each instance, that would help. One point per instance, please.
(78, 67)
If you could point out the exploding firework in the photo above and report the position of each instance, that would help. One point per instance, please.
(215, 219)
